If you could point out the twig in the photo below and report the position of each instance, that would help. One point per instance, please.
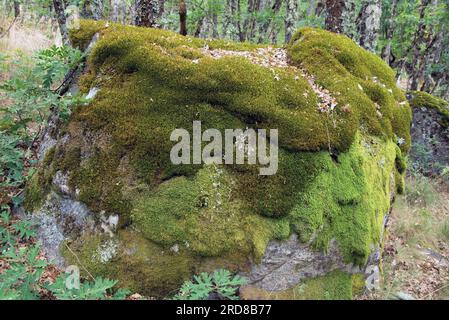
(9, 28)
(77, 259)
(440, 288)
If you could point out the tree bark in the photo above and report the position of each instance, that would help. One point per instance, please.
(273, 31)
(290, 19)
(368, 24)
(97, 9)
(320, 8)
(415, 67)
(115, 10)
(215, 25)
(16, 9)
(86, 10)
(144, 13)
(334, 15)
(386, 50)
(161, 9)
(62, 22)
(249, 25)
(182, 17)
(231, 20)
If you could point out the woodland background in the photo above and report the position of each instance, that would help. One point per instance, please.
(410, 35)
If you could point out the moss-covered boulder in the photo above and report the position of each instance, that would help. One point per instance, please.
(343, 133)
(429, 153)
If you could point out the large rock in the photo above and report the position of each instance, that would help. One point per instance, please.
(430, 133)
(109, 197)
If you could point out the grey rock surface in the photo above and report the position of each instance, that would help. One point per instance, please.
(286, 263)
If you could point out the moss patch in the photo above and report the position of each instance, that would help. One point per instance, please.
(361, 82)
(424, 100)
(337, 285)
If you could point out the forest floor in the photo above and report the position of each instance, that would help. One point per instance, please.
(416, 249)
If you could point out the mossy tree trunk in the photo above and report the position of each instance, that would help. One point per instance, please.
(215, 25)
(368, 24)
(62, 22)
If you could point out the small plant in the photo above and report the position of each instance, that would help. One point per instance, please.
(445, 174)
(420, 190)
(445, 231)
(23, 267)
(28, 95)
(220, 282)
(100, 289)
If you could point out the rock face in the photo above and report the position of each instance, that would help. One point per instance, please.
(430, 132)
(108, 196)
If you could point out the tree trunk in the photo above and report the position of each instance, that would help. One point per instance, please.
(290, 18)
(86, 10)
(419, 40)
(386, 50)
(238, 22)
(231, 20)
(311, 9)
(199, 26)
(62, 22)
(97, 9)
(334, 15)
(273, 31)
(144, 13)
(115, 10)
(182, 17)
(320, 8)
(368, 24)
(249, 25)
(161, 9)
(16, 9)
(215, 25)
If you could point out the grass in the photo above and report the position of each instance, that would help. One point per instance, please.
(417, 242)
(25, 39)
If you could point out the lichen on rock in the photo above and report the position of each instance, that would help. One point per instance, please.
(339, 116)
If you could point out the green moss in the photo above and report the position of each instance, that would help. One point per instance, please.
(336, 285)
(135, 263)
(140, 265)
(424, 100)
(358, 80)
(81, 37)
(348, 199)
(204, 215)
(358, 284)
(39, 185)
